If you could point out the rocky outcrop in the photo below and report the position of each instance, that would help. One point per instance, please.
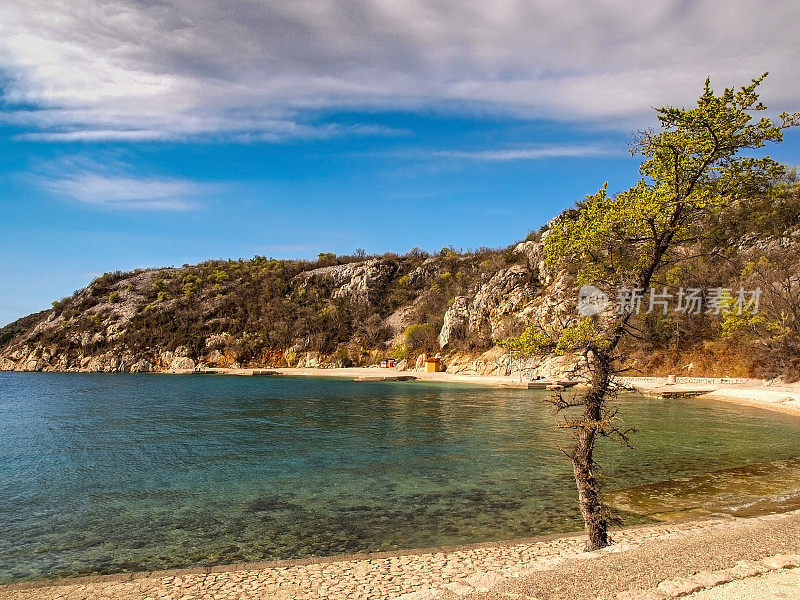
(505, 293)
(362, 283)
(456, 321)
(399, 320)
(495, 361)
(499, 362)
(504, 296)
(29, 358)
(533, 253)
(428, 271)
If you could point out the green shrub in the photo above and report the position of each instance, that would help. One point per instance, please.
(191, 284)
(400, 352)
(421, 337)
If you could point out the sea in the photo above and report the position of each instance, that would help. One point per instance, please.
(109, 473)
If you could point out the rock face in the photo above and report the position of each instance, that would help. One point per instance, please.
(428, 271)
(456, 321)
(361, 283)
(506, 294)
(495, 361)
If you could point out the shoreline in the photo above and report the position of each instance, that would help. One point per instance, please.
(291, 562)
(754, 393)
(736, 549)
(356, 372)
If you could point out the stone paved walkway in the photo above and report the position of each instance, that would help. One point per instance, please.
(778, 585)
(485, 571)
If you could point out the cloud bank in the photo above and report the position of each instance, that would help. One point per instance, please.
(92, 70)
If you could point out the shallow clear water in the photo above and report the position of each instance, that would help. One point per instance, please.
(106, 473)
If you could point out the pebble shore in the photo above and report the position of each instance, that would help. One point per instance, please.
(481, 571)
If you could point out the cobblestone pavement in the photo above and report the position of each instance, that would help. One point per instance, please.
(475, 571)
(778, 585)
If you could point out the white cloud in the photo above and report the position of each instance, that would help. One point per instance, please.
(110, 187)
(95, 135)
(529, 153)
(126, 69)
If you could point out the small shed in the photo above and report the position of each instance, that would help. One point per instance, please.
(434, 365)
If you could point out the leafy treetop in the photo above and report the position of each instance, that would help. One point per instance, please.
(690, 167)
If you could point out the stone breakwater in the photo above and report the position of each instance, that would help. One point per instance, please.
(464, 572)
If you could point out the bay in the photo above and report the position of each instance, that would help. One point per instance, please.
(105, 473)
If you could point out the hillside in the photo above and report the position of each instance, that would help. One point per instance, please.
(337, 310)
(354, 310)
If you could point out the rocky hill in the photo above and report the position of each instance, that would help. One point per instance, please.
(356, 310)
(264, 312)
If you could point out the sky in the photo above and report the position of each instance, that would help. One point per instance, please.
(144, 133)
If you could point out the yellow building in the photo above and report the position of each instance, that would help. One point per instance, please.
(433, 365)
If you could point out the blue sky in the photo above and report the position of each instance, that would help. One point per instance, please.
(139, 133)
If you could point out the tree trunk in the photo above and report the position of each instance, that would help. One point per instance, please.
(595, 514)
(592, 509)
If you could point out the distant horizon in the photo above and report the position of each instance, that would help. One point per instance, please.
(137, 135)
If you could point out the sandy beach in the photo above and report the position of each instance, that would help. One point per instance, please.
(357, 372)
(757, 393)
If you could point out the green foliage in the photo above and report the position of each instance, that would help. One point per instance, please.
(538, 340)
(532, 341)
(449, 252)
(578, 335)
(113, 298)
(218, 276)
(400, 352)
(691, 167)
(290, 357)
(326, 259)
(747, 325)
(59, 304)
(191, 284)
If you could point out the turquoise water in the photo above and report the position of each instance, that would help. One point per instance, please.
(108, 473)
